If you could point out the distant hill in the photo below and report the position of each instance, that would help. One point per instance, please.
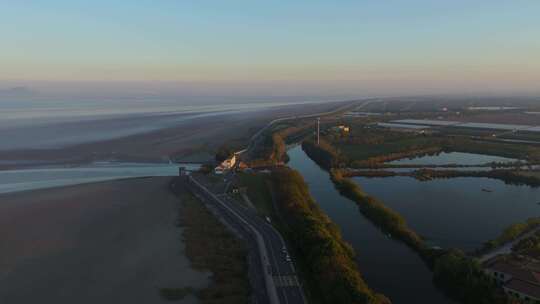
(17, 92)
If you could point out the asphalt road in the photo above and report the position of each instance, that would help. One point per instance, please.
(281, 271)
(506, 248)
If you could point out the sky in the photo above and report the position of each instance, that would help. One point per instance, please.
(271, 48)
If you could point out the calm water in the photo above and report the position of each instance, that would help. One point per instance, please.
(31, 179)
(456, 212)
(388, 266)
(452, 158)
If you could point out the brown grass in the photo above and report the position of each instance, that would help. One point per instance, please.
(210, 246)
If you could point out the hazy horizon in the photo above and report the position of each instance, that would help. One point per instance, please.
(307, 48)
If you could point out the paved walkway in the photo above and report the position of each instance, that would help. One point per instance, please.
(506, 248)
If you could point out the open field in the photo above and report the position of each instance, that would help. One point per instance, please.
(257, 191)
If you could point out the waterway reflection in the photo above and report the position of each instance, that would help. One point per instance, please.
(388, 265)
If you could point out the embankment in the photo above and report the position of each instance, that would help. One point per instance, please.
(459, 276)
(328, 259)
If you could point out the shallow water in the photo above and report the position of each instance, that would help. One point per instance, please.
(31, 179)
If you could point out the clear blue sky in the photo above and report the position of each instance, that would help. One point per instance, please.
(341, 46)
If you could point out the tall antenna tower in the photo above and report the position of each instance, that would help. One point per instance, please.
(318, 130)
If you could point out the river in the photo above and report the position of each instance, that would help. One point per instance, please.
(459, 212)
(388, 265)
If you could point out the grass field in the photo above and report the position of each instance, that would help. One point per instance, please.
(361, 152)
(257, 191)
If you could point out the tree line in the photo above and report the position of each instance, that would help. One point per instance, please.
(508, 176)
(328, 258)
(459, 276)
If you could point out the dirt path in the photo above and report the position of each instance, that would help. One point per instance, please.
(506, 248)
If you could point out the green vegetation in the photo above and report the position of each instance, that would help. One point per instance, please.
(328, 259)
(455, 273)
(372, 154)
(257, 191)
(459, 276)
(529, 246)
(382, 216)
(368, 148)
(508, 176)
(269, 150)
(294, 131)
(323, 154)
(518, 151)
(211, 247)
(511, 233)
(376, 161)
(463, 279)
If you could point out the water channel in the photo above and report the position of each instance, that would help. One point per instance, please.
(387, 265)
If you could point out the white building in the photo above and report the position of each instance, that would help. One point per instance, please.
(226, 165)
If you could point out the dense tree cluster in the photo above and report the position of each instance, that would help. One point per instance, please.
(511, 233)
(376, 161)
(270, 150)
(323, 154)
(382, 216)
(455, 273)
(463, 279)
(529, 245)
(508, 176)
(372, 147)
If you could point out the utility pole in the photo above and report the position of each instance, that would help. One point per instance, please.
(318, 130)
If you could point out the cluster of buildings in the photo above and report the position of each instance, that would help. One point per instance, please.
(341, 128)
(519, 279)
